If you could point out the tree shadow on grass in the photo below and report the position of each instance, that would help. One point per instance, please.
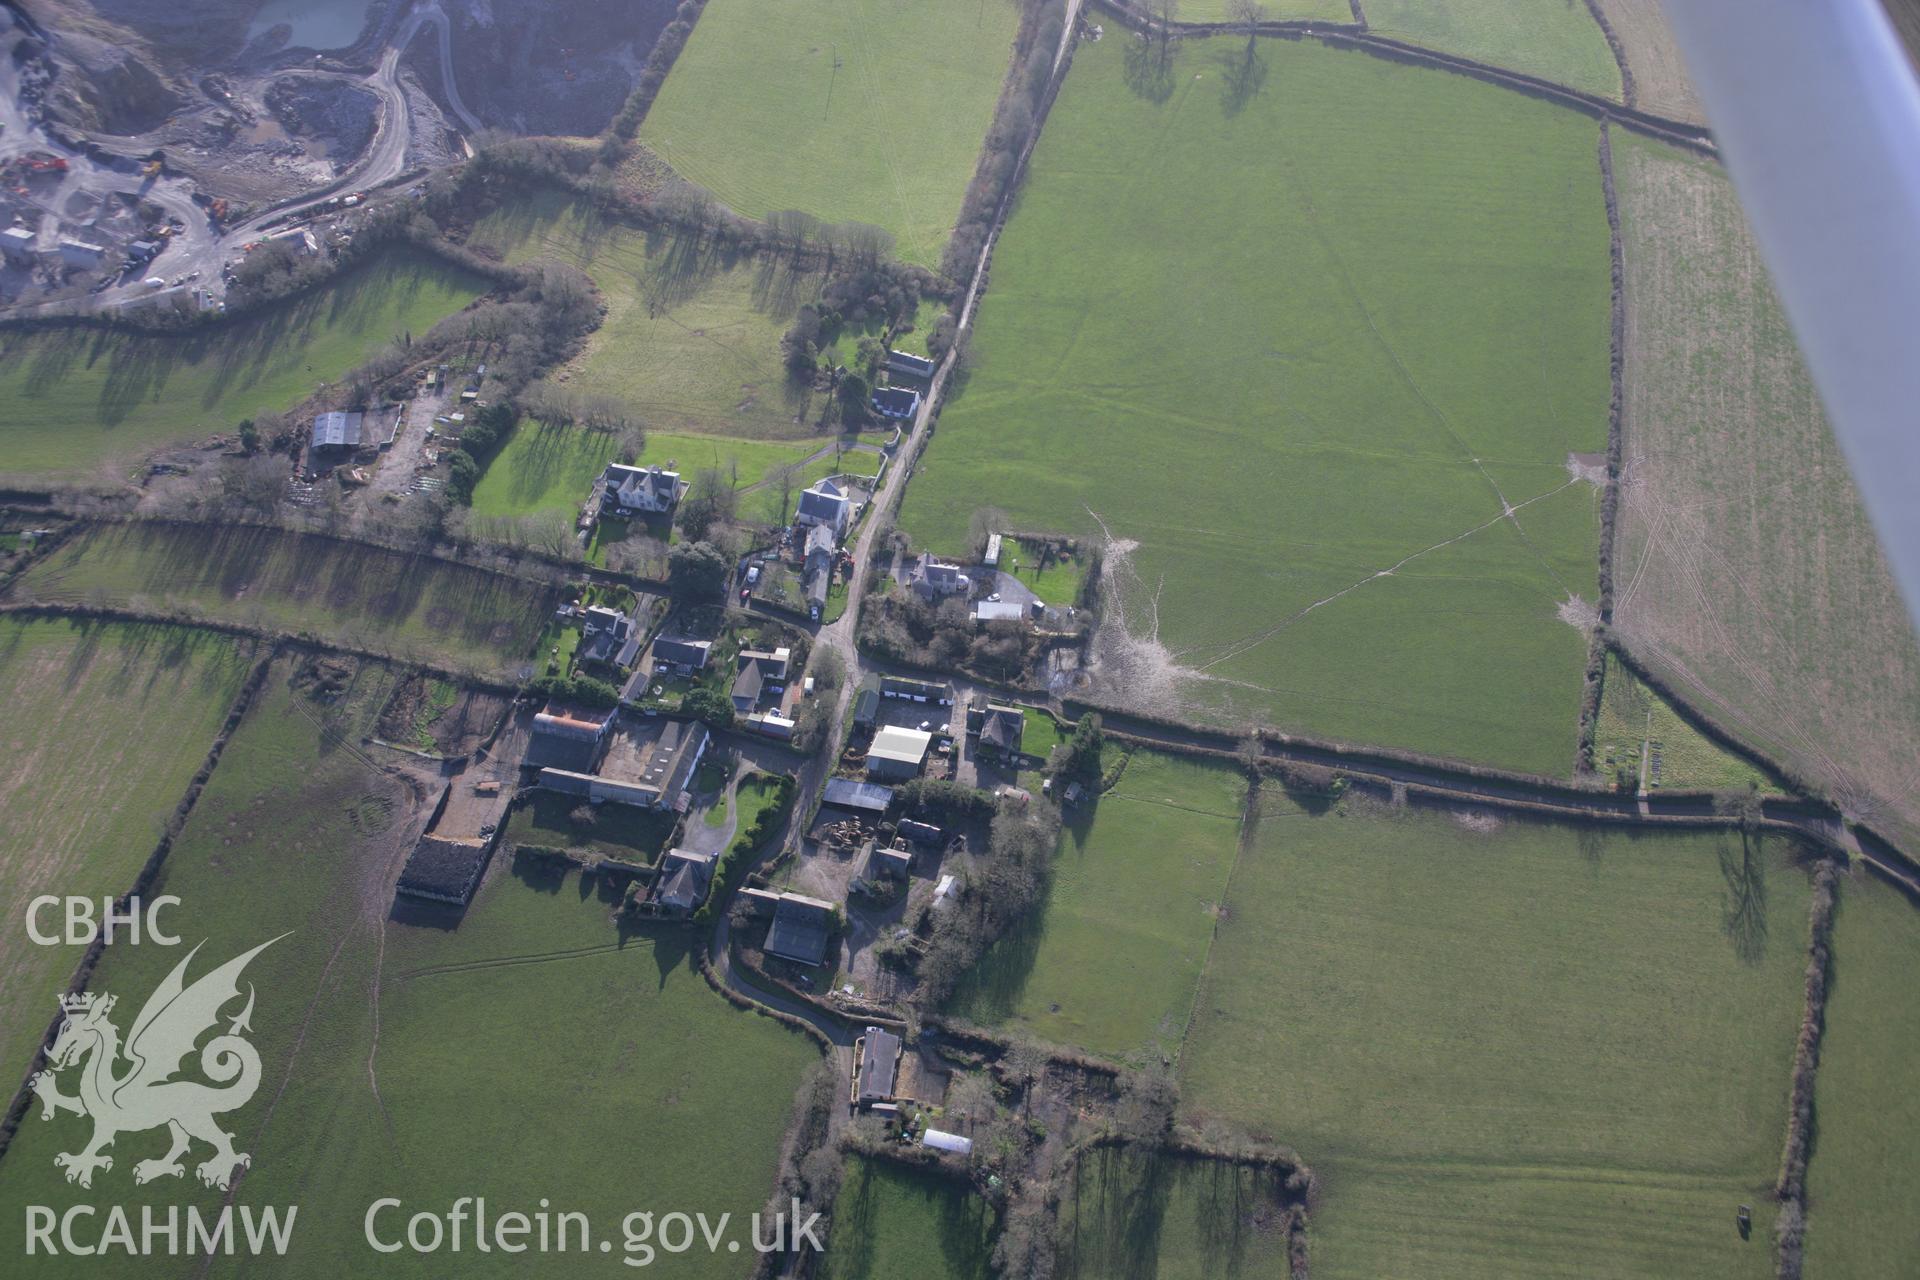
(1119, 1209)
(1242, 73)
(1148, 69)
(1744, 905)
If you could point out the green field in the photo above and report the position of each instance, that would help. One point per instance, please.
(411, 606)
(1632, 716)
(691, 338)
(1552, 39)
(91, 400)
(104, 725)
(1863, 1180)
(615, 831)
(552, 468)
(535, 1050)
(890, 1222)
(1526, 1051)
(1110, 961)
(851, 110)
(1169, 1218)
(1308, 397)
(1220, 11)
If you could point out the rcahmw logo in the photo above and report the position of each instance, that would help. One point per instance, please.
(130, 1086)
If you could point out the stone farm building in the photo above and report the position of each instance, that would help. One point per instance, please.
(337, 432)
(801, 928)
(657, 778)
(568, 738)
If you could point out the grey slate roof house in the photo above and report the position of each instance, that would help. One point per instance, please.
(639, 490)
(824, 503)
(758, 674)
(1001, 729)
(681, 655)
(897, 403)
(819, 569)
(935, 578)
(683, 882)
(877, 1067)
(608, 638)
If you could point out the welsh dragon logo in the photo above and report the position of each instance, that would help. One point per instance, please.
(143, 1093)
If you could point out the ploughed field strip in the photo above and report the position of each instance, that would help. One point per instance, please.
(103, 727)
(81, 398)
(1325, 398)
(851, 110)
(390, 1037)
(1746, 572)
(1507, 1048)
(405, 604)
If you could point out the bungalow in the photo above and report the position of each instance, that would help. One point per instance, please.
(936, 578)
(908, 365)
(896, 403)
(683, 881)
(569, 738)
(681, 656)
(824, 503)
(608, 639)
(337, 431)
(759, 673)
(627, 491)
(898, 754)
(801, 928)
(876, 1067)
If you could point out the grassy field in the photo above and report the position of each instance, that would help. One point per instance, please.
(1660, 79)
(1309, 465)
(1863, 1182)
(891, 1222)
(851, 110)
(1633, 716)
(533, 1050)
(92, 402)
(1748, 574)
(104, 726)
(1220, 11)
(1507, 1049)
(617, 830)
(1127, 1215)
(412, 606)
(691, 339)
(1548, 38)
(1110, 961)
(552, 468)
